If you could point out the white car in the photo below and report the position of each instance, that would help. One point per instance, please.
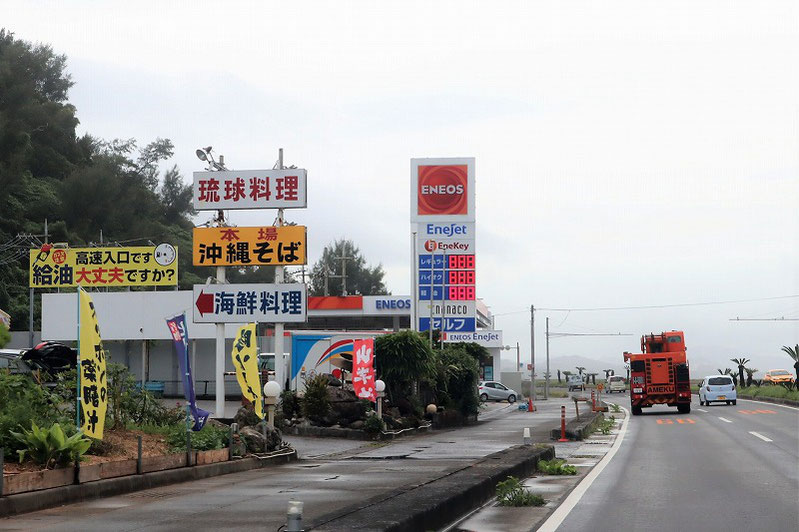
(616, 384)
(496, 391)
(717, 389)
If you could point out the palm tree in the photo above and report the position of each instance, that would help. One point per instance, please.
(607, 373)
(793, 352)
(580, 369)
(592, 376)
(741, 363)
(627, 367)
(567, 374)
(749, 373)
(559, 376)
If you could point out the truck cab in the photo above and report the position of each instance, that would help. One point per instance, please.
(659, 374)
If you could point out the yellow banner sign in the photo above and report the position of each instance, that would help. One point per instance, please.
(245, 360)
(249, 246)
(93, 398)
(117, 266)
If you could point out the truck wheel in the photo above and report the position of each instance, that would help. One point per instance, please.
(637, 411)
(684, 409)
(734, 402)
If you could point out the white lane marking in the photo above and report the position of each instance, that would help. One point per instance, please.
(771, 404)
(557, 517)
(725, 419)
(753, 433)
(699, 409)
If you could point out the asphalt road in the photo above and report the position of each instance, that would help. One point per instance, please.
(335, 474)
(717, 468)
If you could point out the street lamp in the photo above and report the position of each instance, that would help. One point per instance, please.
(518, 362)
(380, 387)
(271, 392)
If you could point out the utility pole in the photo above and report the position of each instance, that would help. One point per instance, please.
(532, 352)
(546, 382)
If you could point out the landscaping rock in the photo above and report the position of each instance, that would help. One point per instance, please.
(336, 394)
(246, 417)
(357, 425)
(254, 438)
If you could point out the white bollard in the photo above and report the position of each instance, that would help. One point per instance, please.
(294, 517)
(526, 436)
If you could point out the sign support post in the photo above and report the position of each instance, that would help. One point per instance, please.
(546, 382)
(532, 352)
(279, 348)
(220, 355)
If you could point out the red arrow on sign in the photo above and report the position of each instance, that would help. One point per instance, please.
(205, 303)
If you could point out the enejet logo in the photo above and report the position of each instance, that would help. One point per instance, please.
(443, 190)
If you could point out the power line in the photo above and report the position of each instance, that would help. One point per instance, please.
(643, 307)
(765, 319)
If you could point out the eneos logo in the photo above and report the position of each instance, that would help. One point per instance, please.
(443, 190)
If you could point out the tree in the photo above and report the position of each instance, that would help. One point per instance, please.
(5, 336)
(361, 279)
(608, 373)
(580, 369)
(793, 352)
(749, 373)
(567, 374)
(559, 376)
(741, 363)
(592, 376)
(627, 367)
(403, 358)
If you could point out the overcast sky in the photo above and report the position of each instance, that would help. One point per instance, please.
(628, 153)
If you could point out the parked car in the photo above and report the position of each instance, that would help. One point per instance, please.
(616, 384)
(496, 391)
(717, 388)
(575, 382)
(777, 376)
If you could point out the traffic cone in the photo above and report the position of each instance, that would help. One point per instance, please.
(530, 407)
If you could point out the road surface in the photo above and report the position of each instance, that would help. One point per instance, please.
(718, 468)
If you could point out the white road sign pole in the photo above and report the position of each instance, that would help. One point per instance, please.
(279, 279)
(220, 356)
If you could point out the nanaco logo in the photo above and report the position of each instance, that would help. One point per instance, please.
(443, 190)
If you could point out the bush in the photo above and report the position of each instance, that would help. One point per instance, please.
(209, 438)
(776, 392)
(22, 400)
(373, 425)
(510, 492)
(315, 403)
(51, 447)
(556, 467)
(290, 404)
(459, 374)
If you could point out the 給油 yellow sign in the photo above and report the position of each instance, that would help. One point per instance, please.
(108, 266)
(245, 360)
(93, 398)
(249, 246)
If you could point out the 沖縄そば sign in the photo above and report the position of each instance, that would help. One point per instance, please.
(249, 246)
(108, 266)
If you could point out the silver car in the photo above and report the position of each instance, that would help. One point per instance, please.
(496, 391)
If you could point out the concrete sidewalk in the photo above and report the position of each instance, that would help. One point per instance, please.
(340, 475)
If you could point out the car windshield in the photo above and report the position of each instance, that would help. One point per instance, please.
(717, 381)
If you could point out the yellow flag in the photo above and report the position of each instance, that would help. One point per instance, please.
(245, 360)
(93, 386)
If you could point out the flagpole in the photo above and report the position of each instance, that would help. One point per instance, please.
(77, 407)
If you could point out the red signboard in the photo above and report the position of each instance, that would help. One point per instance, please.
(443, 190)
(363, 371)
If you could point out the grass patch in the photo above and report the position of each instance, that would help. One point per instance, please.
(775, 392)
(616, 408)
(556, 467)
(510, 492)
(606, 425)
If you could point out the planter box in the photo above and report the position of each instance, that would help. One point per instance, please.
(119, 468)
(38, 480)
(161, 463)
(211, 457)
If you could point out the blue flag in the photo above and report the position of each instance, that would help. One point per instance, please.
(180, 334)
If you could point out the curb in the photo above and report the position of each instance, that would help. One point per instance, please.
(441, 501)
(579, 429)
(33, 501)
(773, 400)
(353, 434)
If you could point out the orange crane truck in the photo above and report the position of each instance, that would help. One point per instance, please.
(659, 374)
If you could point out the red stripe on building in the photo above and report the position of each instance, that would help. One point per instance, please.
(335, 303)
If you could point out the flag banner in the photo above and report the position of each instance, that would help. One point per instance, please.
(363, 371)
(180, 334)
(93, 398)
(245, 360)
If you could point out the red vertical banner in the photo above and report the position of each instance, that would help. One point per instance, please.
(363, 369)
